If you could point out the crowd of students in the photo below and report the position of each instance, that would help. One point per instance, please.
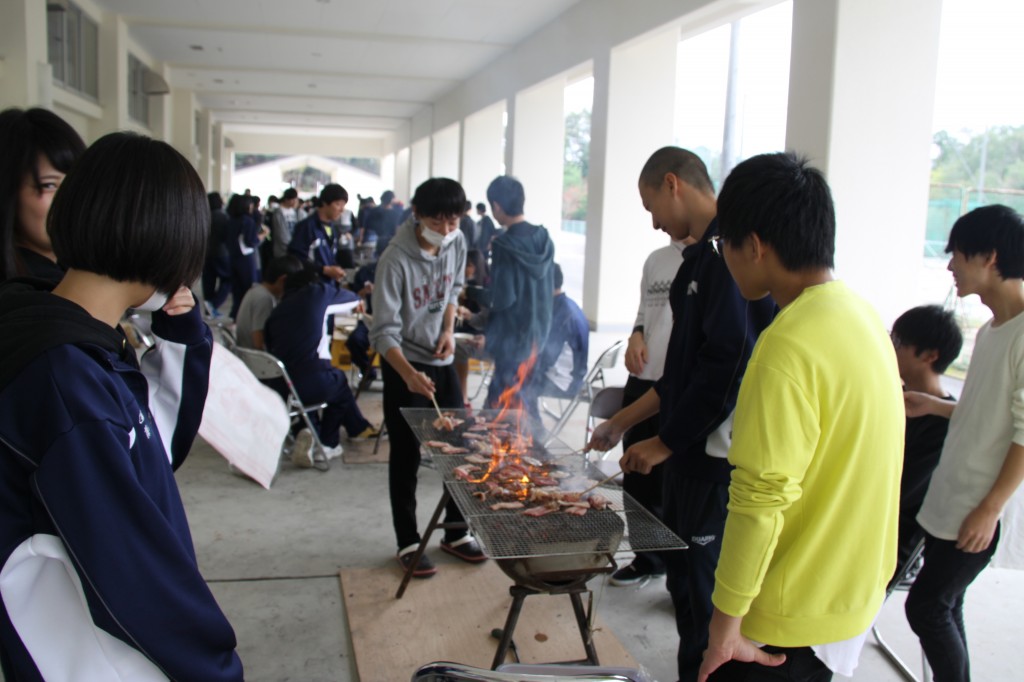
(801, 463)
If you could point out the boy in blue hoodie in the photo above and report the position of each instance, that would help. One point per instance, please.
(99, 577)
(520, 301)
(415, 297)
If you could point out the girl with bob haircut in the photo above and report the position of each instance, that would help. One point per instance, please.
(39, 149)
(98, 575)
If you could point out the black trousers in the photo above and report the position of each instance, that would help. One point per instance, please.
(695, 509)
(645, 489)
(404, 461)
(801, 666)
(935, 605)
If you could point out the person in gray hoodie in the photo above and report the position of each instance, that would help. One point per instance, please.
(415, 296)
(520, 301)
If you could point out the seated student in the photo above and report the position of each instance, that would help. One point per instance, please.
(100, 579)
(358, 342)
(260, 300)
(927, 340)
(472, 317)
(415, 295)
(296, 333)
(563, 361)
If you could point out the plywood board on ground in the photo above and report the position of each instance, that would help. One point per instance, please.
(449, 617)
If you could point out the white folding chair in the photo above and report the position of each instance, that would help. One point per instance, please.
(606, 360)
(266, 367)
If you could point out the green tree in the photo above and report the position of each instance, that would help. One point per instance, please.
(959, 162)
(576, 166)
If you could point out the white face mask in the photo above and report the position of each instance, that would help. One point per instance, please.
(155, 302)
(435, 238)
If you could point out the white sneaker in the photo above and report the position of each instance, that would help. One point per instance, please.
(302, 449)
(333, 453)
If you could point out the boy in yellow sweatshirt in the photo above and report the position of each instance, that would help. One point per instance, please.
(810, 539)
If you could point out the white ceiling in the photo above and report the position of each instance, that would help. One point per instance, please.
(337, 65)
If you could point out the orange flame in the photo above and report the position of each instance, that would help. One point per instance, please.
(520, 443)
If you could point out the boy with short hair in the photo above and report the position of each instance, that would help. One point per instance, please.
(415, 296)
(927, 339)
(810, 539)
(259, 302)
(982, 461)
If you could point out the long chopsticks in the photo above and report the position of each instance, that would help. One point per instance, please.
(436, 407)
(601, 483)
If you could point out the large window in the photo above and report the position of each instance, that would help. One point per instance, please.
(138, 100)
(73, 39)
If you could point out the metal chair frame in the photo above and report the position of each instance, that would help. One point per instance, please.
(901, 666)
(606, 360)
(265, 366)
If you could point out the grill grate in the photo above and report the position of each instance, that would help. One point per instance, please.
(506, 534)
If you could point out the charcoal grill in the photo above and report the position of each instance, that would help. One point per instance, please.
(554, 554)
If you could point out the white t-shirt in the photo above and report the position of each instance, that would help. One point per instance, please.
(988, 417)
(655, 314)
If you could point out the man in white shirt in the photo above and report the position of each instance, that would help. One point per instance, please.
(982, 461)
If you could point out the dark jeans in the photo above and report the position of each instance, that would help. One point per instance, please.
(645, 489)
(801, 666)
(404, 461)
(244, 273)
(935, 605)
(330, 386)
(695, 510)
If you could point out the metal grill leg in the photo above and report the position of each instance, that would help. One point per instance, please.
(584, 625)
(518, 595)
(423, 543)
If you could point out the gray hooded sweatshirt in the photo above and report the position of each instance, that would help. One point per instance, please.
(411, 291)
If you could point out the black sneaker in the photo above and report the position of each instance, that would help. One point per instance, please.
(465, 548)
(630, 575)
(424, 567)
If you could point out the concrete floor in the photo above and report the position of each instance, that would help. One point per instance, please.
(272, 560)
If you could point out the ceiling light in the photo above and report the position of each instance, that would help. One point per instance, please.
(317, 54)
(197, 48)
(312, 85)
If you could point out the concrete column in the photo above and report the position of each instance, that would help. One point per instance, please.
(419, 163)
(445, 159)
(220, 152)
(634, 104)
(401, 179)
(860, 106)
(183, 121)
(23, 78)
(113, 76)
(482, 154)
(205, 158)
(538, 150)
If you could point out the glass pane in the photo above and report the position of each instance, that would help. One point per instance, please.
(55, 42)
(73, 75)
(90, 58)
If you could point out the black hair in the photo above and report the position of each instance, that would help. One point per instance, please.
(308, 274)
(333, 192)
(482, 207)
(786, 203)
(24, 135)
(272, 199)
(132, 209)
(682, 163)
(475, 257)
(239, 205)
(930, 327)
(559, 277)
(387, 197)
(507, 192)
(281, 266)
(215, 200)
(439, 198)
(986, 229)
(290, 193)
